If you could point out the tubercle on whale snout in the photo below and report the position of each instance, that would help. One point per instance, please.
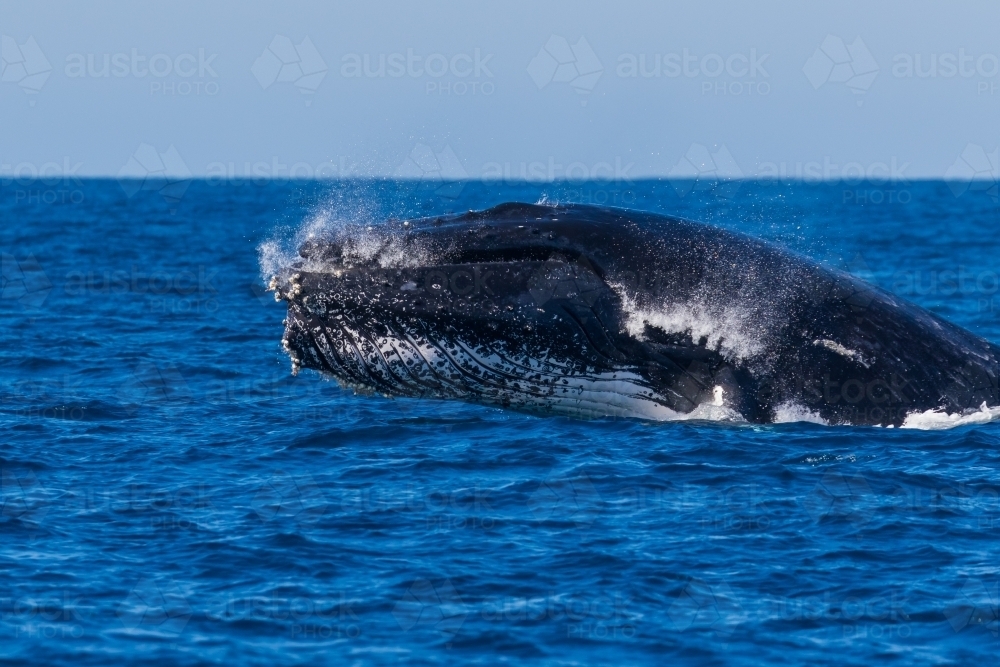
(285, 286)
(288, 287)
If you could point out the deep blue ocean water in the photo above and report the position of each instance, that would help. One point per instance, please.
(171, 493)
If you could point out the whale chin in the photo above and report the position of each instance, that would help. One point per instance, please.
(592, 312)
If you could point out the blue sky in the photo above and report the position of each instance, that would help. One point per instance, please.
(562, 89)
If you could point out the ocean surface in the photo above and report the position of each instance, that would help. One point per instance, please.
(171, 493)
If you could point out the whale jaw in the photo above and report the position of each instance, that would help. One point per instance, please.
(537, 336)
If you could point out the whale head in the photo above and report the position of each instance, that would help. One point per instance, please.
(515, 306)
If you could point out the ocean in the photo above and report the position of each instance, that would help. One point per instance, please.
(170, 492)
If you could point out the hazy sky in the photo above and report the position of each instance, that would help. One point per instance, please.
(609, 89)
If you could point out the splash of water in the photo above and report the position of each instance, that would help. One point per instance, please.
(733, 330)
(361, 226)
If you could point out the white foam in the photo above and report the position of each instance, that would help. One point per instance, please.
(712, 413)
(385, 247)
(357, 226)
(932, 420)
(273, 257)
(735, 331)
(791, 412)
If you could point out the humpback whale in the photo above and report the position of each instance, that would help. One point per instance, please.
(594, 311)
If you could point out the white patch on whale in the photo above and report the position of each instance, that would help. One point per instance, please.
(718, 394)
(847, 353)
